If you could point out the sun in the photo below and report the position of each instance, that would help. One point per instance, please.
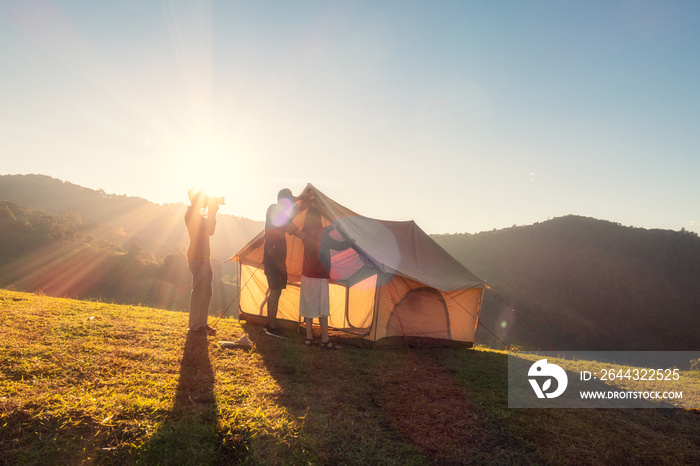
(213, 166)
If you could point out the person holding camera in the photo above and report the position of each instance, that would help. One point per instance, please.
(200, 228)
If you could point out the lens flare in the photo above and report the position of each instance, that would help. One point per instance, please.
(282, 213)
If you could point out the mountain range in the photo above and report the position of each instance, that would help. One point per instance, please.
(569, 283)
(585, 284)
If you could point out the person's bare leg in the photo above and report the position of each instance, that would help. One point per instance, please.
(309, 330)
(324, 328)
(326, 342)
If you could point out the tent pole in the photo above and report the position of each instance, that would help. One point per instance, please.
(476, 321)
(347, 308)
(375, 311)
(238, 284)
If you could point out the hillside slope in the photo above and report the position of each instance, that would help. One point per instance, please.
(95, 383)
(587, 284)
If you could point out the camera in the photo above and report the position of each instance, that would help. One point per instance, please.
(216, 200)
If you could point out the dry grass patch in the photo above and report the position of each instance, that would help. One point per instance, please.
(84, 382)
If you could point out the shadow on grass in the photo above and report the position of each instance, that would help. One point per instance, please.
(189, 434)
(363, 406)
(572, 435)
(327, 396)
(371, 407)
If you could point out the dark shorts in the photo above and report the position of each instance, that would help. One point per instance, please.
(276, 277)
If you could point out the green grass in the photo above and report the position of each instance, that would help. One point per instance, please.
(85, 382)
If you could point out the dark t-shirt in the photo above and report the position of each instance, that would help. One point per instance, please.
(275, 250)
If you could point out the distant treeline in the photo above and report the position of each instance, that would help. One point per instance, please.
(586, 284)
(123, 220)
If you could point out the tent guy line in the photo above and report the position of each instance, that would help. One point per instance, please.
(521, 317)
(225, 311)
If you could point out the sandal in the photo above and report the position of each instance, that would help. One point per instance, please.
(329, 345)
(309, 342)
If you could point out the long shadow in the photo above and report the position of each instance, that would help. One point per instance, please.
(323, 391)
(188, 435)
(371, 407)
(571, 435)
(362, 406)
(195, 388)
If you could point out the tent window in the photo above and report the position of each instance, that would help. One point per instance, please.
(421, 312)
(359, 303)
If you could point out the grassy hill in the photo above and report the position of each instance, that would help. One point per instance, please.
(87, 382)
(587, 284)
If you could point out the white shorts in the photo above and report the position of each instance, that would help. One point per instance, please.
(313, 300)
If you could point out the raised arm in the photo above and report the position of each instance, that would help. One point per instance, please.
(213, 208)
(292, 229)
(332, 243)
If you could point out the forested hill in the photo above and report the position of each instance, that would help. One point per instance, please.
(122, 219)
(587, 284)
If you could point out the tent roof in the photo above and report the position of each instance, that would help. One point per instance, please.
(396, 248)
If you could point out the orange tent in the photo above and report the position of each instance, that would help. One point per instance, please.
(395, 284)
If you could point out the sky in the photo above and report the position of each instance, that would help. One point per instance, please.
(464, 116)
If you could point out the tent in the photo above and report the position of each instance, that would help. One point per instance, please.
(395, 285)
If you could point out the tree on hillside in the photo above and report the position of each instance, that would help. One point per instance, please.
(6, 215)
(71, 219)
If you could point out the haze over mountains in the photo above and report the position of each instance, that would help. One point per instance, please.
(580, 283)
(587, 284)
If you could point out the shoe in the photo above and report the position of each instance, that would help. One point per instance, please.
(206, 330)
(274, 332)
(329, 345)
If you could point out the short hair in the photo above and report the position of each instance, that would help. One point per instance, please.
(285, 193)
(195, 194)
